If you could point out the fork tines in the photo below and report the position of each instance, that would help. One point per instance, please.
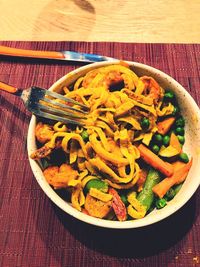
(61, 97)
(42, 103)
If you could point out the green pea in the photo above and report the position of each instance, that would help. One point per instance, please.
(155, 149)
(184, 157)
(145, 123)
(180, 131)
(166, 140)
(169, 95)
(85, 135)
(180, 122)
(170, 194)
(158, 138)
(176, 110)
(181, 139)
(161, 203)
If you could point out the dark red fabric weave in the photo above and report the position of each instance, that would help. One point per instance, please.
(33, 231)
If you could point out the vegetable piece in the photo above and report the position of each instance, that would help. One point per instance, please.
(169, 95)
(180, 122)
(161, 203)
(158, 139)
(177, 188)
(166, 140)
(85, 135)
(170, 194)
(184, 157)
(145, 123)
(118, 205)
(96, 183)
(178, 177)
(178, 165)
(146, 196)
(181, 139)
(176, 110)
(147, 138)
(168, 151)
(153, 160)
(155, 149)
(97, 208)
(180, 131)
(165, 125)
(174, 142)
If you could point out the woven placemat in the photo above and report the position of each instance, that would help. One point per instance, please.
(33, 231)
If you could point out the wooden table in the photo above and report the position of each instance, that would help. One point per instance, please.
(144, 21)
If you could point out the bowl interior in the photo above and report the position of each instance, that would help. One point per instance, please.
(189, 110)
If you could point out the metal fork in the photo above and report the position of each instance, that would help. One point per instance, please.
(41, 102)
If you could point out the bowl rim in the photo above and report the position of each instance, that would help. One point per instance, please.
(66, 207)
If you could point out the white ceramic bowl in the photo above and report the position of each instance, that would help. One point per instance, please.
(189, 110)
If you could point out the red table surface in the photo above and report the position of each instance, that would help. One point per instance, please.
(33, 231)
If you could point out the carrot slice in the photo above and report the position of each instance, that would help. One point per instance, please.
(153, 160)
(165, 125)
(178, 165)
(178, 177)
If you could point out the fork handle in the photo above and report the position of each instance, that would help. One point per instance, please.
(11, 51)
(8, 88)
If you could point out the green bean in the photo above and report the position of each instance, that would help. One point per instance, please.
(177, 188)
(161, 203)
(146, 196)
(170, 194)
